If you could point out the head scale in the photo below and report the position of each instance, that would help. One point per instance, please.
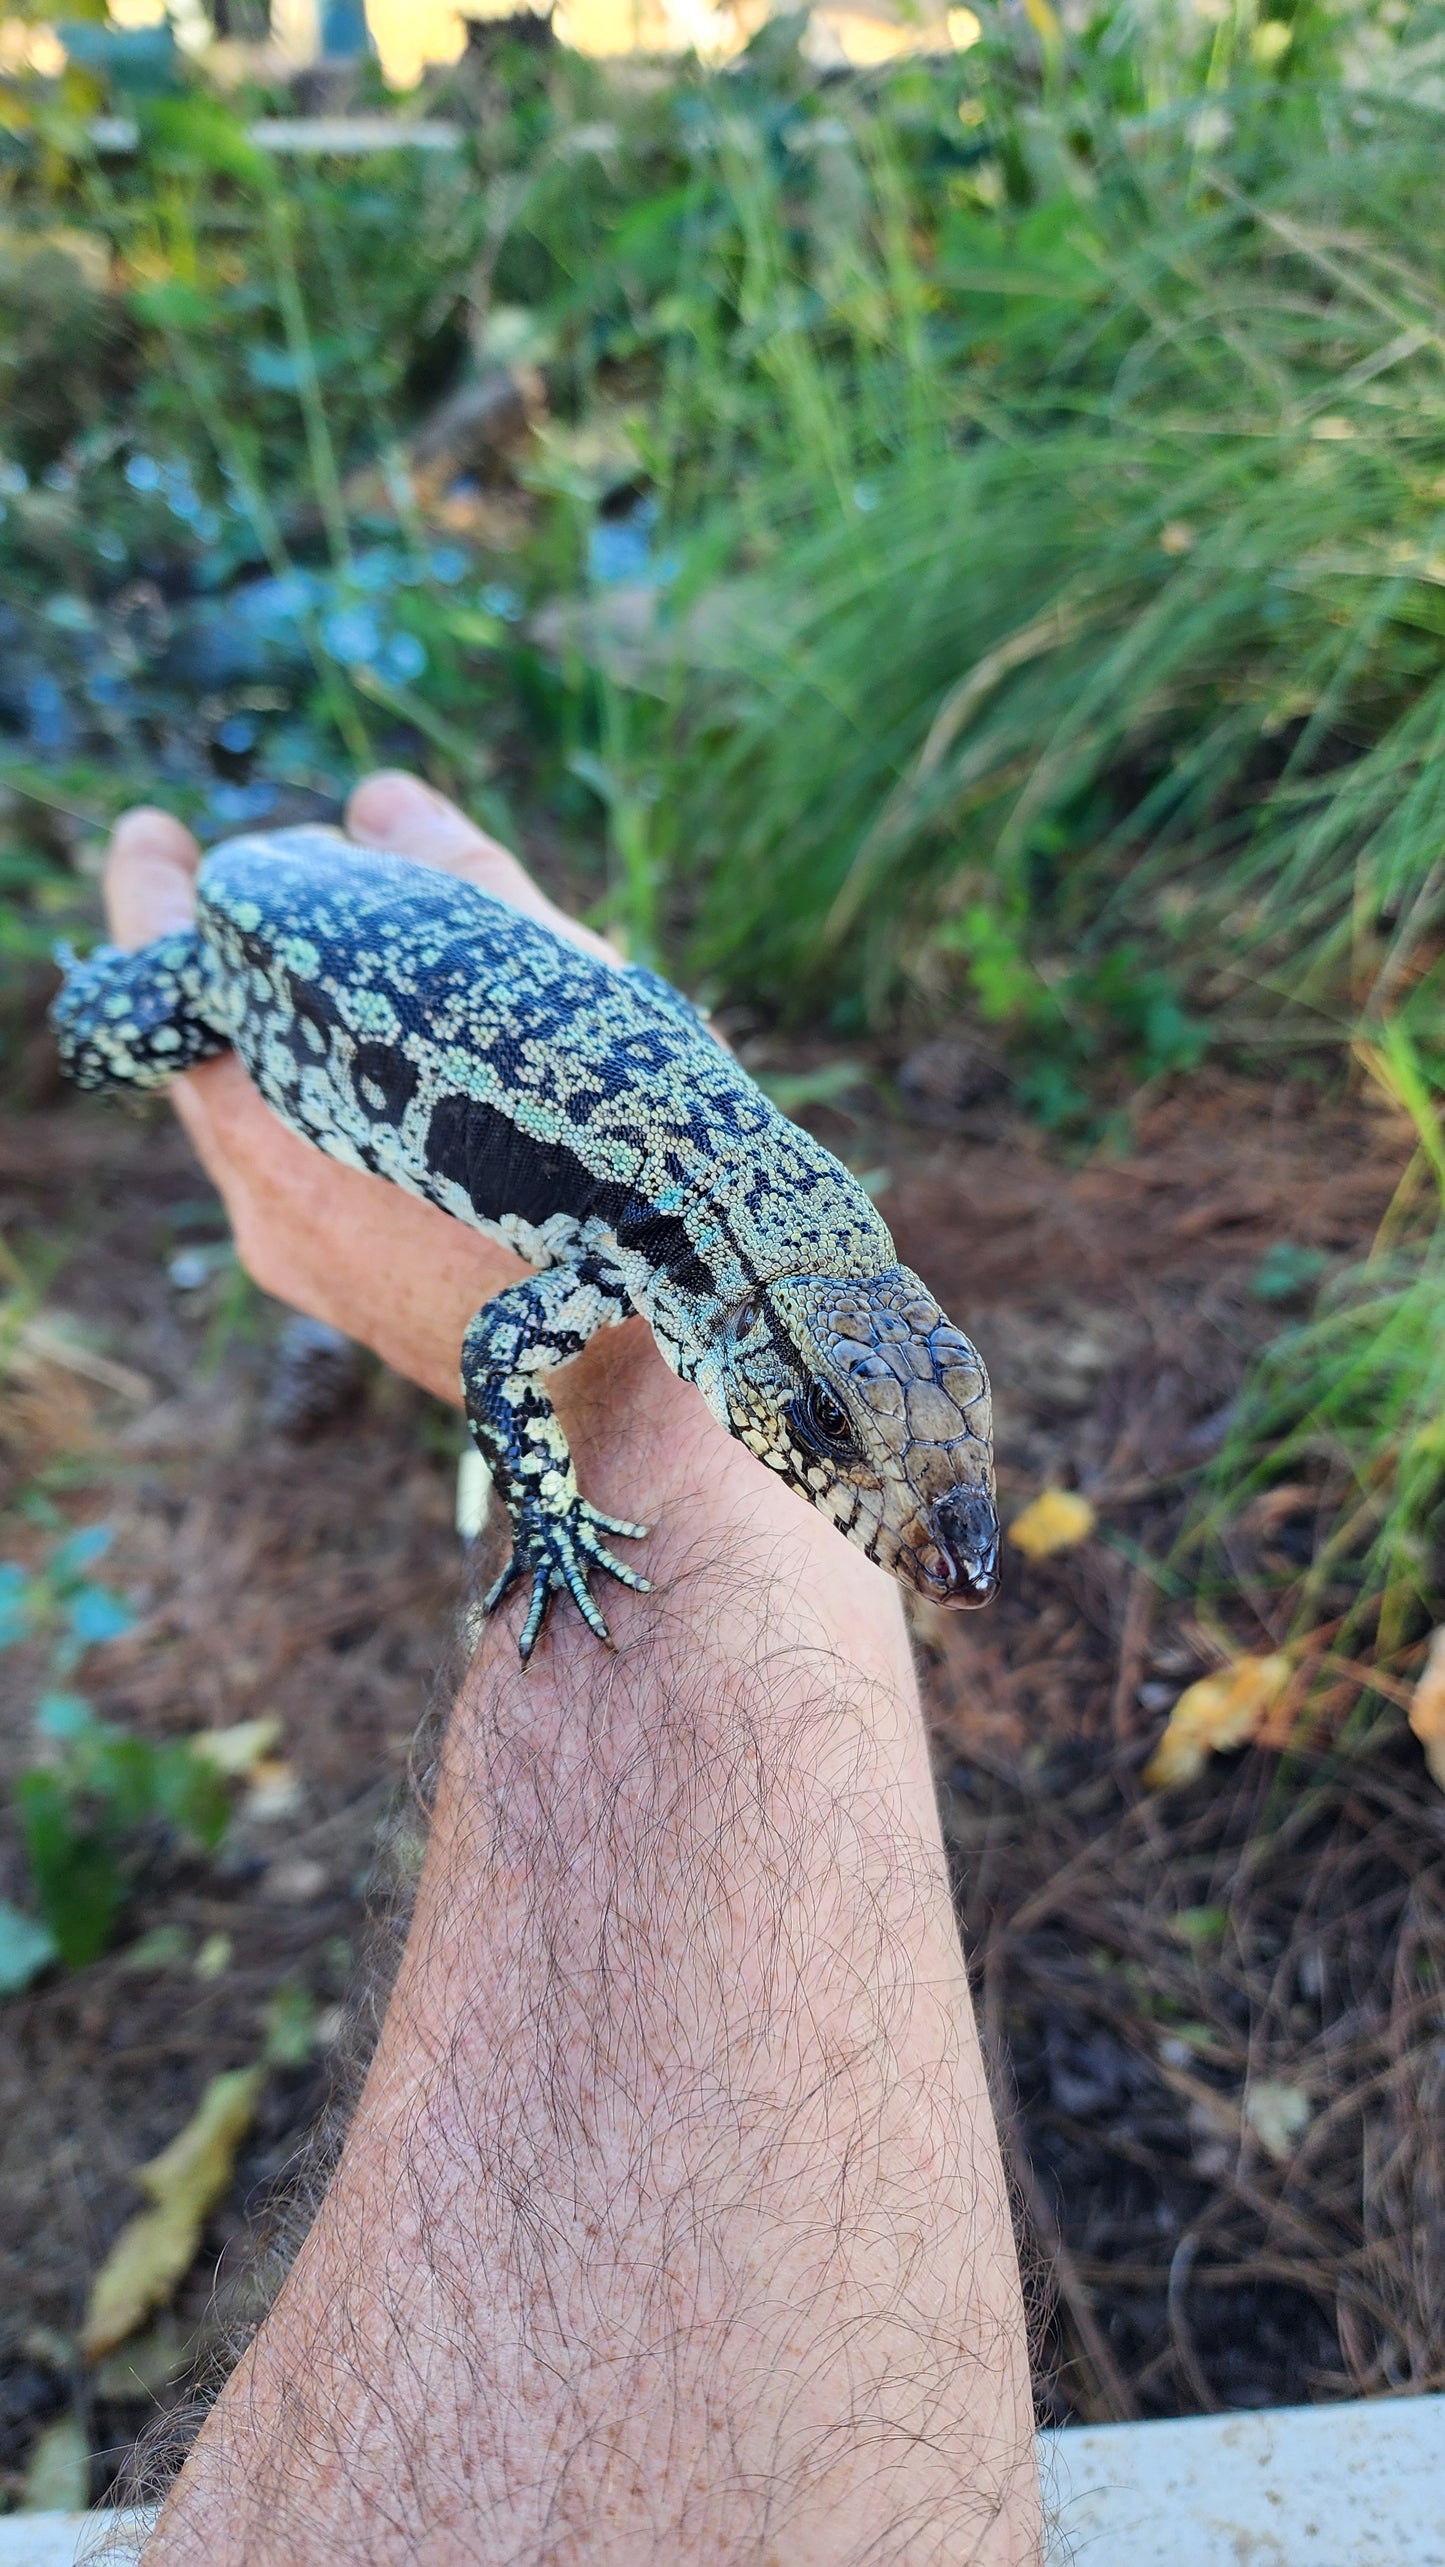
(876, 1407)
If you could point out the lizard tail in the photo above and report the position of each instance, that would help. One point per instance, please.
(134, 1020)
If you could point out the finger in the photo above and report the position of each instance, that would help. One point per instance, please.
(150, 876)
(400, 814)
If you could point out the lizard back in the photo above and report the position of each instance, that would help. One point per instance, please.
(410, 1023)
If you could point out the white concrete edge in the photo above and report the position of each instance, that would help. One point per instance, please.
(1336, 2486)
(1358, 2485)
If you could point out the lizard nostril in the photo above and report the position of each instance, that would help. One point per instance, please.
(965, 1526)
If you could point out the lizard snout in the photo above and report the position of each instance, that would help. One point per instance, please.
(964, 1524)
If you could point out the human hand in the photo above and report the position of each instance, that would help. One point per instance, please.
(396, 1274)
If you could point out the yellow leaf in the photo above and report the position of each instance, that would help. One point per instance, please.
(28, 48)
(1278, 2115)
(214, 1957)
(1220, 1711)
(1427, 1707)
(157, 2248)
(275, 1790)
(1044, 21)
(235, 1751)
(1057, 1520)
(1270, 39)
(57, 2480)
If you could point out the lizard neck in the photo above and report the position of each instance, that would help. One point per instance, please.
(785, 1207)
(790, 1208)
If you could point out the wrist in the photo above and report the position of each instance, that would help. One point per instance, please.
(731, 1552)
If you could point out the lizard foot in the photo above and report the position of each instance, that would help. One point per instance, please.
(558, 1552)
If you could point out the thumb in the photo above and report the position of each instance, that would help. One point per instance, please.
(150, 877)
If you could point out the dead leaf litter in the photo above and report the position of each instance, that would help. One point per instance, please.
(1212, 2013)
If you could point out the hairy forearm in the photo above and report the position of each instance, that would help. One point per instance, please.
(671, 2223)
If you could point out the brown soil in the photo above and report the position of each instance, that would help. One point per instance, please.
(1178, 2266)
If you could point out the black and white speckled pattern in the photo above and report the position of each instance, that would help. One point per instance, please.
(408, 1023)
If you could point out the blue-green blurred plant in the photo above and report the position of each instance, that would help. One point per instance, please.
(1041, 446)
(99, 1801)
(60, 1602)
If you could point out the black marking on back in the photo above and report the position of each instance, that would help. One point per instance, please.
(476, 1055)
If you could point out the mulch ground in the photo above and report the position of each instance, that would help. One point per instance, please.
(1142, 1965)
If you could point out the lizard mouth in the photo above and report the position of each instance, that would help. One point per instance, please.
(965, 1533)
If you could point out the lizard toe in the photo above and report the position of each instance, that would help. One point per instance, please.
(516, 1568)
(587, 1534)
(601, 1558)
(542, 1584)
(618, 1524)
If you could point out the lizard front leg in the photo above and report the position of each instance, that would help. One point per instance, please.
(512, 1343)
(136, 1019)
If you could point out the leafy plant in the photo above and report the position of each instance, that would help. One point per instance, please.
(1043, 456)
(61, 1603)
(93, 1817)
(94, 1810)
(1327, 1501)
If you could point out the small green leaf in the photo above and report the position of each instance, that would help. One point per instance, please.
(57, 2480)
(161, 1949)
(827, 1085)
(64, 1716)
(77, 1877)
(214, 1957)
(1287, 1272)
(173, 305)
(197, 133)
(290, 2026)
(17, 1604)
(97, 1616)
(475, 627)
(183, 1788)
(26, 1948)
(76, 1554)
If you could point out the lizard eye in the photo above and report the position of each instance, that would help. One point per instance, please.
(822, 1421)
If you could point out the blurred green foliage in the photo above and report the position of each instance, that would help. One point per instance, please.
(1326, 1504)
(92, 1818)
(981, 547)
(978, 548)
(100, 1802)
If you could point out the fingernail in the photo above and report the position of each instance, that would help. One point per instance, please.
(145, 820)
(399, 793)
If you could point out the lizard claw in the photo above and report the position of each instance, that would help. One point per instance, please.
(559, 1552)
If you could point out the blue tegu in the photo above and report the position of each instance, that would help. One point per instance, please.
(407, 1022)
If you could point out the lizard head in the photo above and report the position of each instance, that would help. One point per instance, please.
(874, 1406)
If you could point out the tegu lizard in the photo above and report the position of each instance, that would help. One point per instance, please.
(407, 1022)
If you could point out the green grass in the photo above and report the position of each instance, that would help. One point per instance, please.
(1339, 1439)
(1105, 608)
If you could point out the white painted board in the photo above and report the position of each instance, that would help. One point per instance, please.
(1340, 2486)
(1336, 2486)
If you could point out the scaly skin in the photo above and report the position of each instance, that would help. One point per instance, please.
(408, 1023)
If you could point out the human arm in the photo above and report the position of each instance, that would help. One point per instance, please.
(671, 2222)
